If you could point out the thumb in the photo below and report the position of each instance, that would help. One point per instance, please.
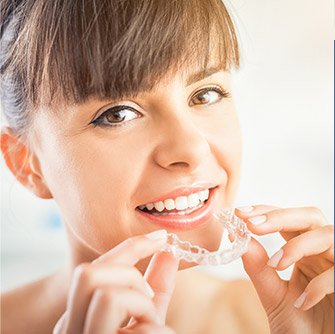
(61, 324)
(270, 288)
(161, 276)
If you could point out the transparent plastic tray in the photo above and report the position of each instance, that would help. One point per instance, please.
(238, 241)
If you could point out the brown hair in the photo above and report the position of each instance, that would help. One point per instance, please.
(65, 51)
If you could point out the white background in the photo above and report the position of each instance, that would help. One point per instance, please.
(284, 96)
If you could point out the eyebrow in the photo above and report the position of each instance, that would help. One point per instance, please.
(200, 75)
(192, 78)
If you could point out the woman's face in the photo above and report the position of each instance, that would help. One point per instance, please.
(101, 164)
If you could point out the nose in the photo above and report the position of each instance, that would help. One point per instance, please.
(182, 145)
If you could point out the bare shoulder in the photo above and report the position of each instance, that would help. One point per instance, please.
(216, 305)
(31, 308)
(240, 297)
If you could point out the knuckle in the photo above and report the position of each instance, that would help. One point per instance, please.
(132, 245)
(136, 274)
(83, 273)
(106, 296)
(288, 259)
(287, 253)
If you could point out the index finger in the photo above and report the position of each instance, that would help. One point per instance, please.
(130, 251)
(290, 222)
(255, 210)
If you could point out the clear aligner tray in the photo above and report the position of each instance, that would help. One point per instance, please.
(239, 236)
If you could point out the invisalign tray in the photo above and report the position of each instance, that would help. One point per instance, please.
(237, 231)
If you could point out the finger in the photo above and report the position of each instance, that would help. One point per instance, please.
(270, 288)
(260, 210)
(110, 307)
(316, 290)
(287, 220)
(88, 277)
(245, 212)
(130, 251)
(161, 275)
(61, 324)
(307, 244)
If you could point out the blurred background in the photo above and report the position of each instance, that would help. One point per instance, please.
(284, 96)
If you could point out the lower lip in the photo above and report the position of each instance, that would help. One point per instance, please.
(187, 221)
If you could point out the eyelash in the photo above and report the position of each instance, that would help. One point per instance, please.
(99, 120)
(222, 92)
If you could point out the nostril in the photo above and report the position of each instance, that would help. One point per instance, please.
(179, 164)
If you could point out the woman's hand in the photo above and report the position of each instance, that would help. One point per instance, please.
(305, 303)
(110, 295)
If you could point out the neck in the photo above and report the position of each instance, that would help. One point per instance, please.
(80, 252)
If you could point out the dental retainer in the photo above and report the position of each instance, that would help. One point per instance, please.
(238, 234)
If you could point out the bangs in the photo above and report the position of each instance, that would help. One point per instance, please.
(113, 49)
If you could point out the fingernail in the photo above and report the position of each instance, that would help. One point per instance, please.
(257, 220)
(245, 208)
(148, 289)
(275, 258)
(300, 301)
(155, 235)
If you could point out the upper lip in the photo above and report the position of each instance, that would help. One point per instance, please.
(183, 191)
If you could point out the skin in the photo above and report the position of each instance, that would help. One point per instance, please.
(164, 132)
(90, 173)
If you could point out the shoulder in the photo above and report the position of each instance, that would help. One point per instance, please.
(223, 306)
(240, 298)
(30, 308)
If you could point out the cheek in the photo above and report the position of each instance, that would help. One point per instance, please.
(224, 134)
(93, 178)
(92, 181)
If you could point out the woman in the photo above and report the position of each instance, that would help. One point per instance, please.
(116, 108)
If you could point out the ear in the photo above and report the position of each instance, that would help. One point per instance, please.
(23, 163)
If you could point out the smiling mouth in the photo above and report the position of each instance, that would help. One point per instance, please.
(166, 212)
(181, 205)
(181, 213)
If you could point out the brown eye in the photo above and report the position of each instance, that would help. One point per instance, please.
(208, 95)
(116, 116)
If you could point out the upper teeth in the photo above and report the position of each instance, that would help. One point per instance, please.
(179, 203)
